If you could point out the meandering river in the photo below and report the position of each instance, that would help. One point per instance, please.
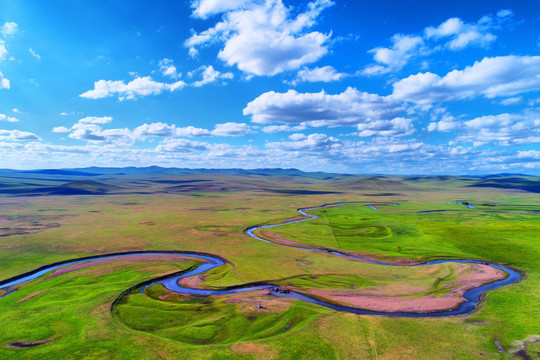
(212, 261)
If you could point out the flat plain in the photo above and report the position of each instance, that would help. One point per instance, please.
(52, 216)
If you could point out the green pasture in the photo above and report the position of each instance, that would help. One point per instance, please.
(71, 313)
(504, 234)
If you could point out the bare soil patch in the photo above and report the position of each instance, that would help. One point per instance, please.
(192, 281)
(260, 351)
(248, 302)
(26, 224)
(469, 277)
(474, 276)
(29, 296)
(428, 303)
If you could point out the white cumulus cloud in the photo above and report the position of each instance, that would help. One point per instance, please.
(167, 68)
(231, 129)
(60, 129)
(463, 34)
(17, 135)
(270, 129)
(351, 107)
(490, 77)
(182, 145)
(96, 120)
(447, 123)
(9, 28)
(155, 129)
(89, 129)
(394, 58)
(140, 86)
(396, 127)
(95, 134)
(204, 8)
(503, 129)
(262, 38)
(210, 75)
(4, 117)
(452, 34)
(4, 82)
(319, 74)
(191, 131)
(3, 50)
(312, 142)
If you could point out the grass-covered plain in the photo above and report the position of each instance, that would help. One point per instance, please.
(71, 313)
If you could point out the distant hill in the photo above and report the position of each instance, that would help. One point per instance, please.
(155, 171)
(80, 187)
(155, 180)
(60, 172)
(522, 182)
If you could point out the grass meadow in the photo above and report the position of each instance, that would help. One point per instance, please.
(69, 316)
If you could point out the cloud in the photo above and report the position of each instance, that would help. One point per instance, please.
(9, 28)
(4, 117)
(231, 129)
(503, 129)
(394, 58)
(490, 77)
(312, 142)
(140, 86)
(89, 129)
(167, 68)
(94, 133)
(319, 74)
(454, 34)
(350, 108)
(512, 100)
(396, 127)
(191, 131)
(279, 128)
(17, 135)
(373, 115)
(60, 129)
(166, 130)
(504, 13)
(155, 129)
(308, 152)
(261, 38)
(3, 50)
(34, 54)
(464, 34)
(16, 111)
(529, 154)
(203, 8)
(4, 83)
(182, 145)
(383, 147)
(447, 123)
(96, 120)
(210, 75)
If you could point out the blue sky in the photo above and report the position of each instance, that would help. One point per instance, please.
(395, 87)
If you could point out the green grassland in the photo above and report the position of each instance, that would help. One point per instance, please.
(504, 234)
(71, 314)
